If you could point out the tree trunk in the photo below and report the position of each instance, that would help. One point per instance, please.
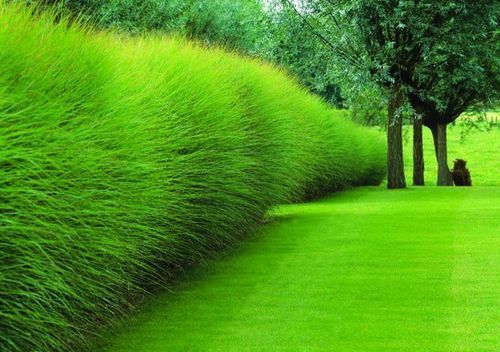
(418, 153)
(395, 164)
(440, 145)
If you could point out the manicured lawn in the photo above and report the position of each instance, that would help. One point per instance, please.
(363, 270)
(481, 150)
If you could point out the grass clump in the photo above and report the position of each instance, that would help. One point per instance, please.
(121, 158)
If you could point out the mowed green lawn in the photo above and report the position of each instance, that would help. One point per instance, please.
(363, 270)
(481, 149)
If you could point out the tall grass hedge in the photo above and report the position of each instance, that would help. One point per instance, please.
(123, 159)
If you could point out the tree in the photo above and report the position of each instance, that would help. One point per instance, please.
(387, 39)
(460, 72)
(411, 48)
(288, 45)
(236, 25)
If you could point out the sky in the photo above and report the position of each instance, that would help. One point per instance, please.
(296, 2)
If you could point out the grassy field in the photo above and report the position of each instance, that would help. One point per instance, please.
(124, 159)
(364, 270)
(481, 150)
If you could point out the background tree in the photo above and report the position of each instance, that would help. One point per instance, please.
(386, 39)
(459, 73)
(396, 41)
(234, 24)
(289, 45)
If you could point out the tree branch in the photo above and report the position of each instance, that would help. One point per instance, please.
(342, 53)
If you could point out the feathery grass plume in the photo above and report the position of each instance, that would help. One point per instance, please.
(122, 157)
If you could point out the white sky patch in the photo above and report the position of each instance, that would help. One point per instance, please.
(299, 4)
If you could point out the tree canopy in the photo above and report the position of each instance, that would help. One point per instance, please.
(233, 24)
(440, 55)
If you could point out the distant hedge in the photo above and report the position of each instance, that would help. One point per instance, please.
(121, 159)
